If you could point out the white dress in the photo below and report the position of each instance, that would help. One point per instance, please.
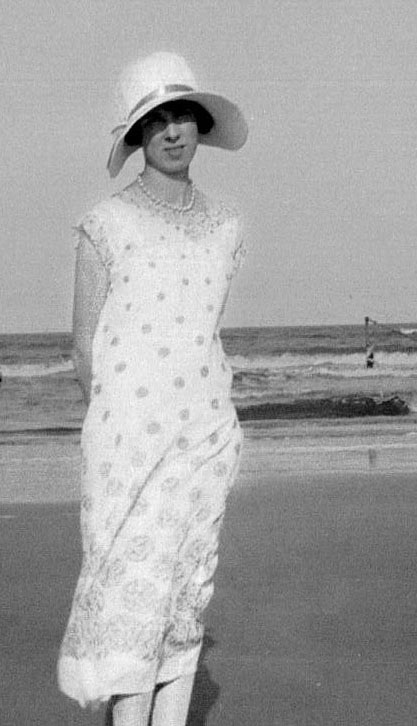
(160, 447)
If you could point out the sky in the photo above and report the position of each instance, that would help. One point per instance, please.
(326, 181)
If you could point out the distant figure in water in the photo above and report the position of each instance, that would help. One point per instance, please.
(370, 357)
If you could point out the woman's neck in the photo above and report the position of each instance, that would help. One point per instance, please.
(171, 188)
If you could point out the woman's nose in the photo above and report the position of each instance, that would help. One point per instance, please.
(172, 131)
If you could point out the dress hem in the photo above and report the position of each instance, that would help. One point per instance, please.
(78, 678)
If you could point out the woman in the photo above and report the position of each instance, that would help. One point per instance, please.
(161, 440)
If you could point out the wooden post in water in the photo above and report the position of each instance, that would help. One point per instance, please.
(369, 346)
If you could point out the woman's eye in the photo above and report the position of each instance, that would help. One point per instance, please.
(183, 117)
(157, 119)
(154, 118)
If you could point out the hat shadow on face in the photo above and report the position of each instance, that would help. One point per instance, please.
(203, 119)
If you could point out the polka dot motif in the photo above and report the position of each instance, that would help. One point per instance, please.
(220, 469)
(169, 484)
(195, 495)
(168, 518)
(84, 464)
(140, 508)
(136, 487)
(114, 487)
(153, 428)
(163, 567)
(138, 458)
(157, 405)
(203, 514)
(197, 462)
(86, 503)
(105, 469)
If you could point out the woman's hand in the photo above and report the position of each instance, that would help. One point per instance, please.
(91, 287)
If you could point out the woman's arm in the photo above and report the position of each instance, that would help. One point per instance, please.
(91, 286)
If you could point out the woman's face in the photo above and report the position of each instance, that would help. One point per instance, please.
(170, 137)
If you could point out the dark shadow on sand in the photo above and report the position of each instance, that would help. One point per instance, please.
(206, 690)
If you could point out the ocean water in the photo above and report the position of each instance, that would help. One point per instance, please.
(280, 373)
(306, 400)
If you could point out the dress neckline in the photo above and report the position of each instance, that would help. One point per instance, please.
(134, 196)
(203, 218)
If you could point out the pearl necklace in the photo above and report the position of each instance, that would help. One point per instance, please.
(162, 203)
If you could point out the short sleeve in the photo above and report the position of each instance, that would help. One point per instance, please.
(95, 227)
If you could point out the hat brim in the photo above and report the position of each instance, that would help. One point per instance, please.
(229, 131)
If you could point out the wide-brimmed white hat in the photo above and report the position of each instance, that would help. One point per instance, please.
(163, 77)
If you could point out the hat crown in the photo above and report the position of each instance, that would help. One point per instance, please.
(149, 75)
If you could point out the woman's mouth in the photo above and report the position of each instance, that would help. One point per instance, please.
(175, 152)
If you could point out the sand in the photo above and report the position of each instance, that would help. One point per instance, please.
(314, 617)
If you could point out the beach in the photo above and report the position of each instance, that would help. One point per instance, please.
(313, 618)
(312, 621)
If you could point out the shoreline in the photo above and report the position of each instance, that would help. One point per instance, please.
(45, 468)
